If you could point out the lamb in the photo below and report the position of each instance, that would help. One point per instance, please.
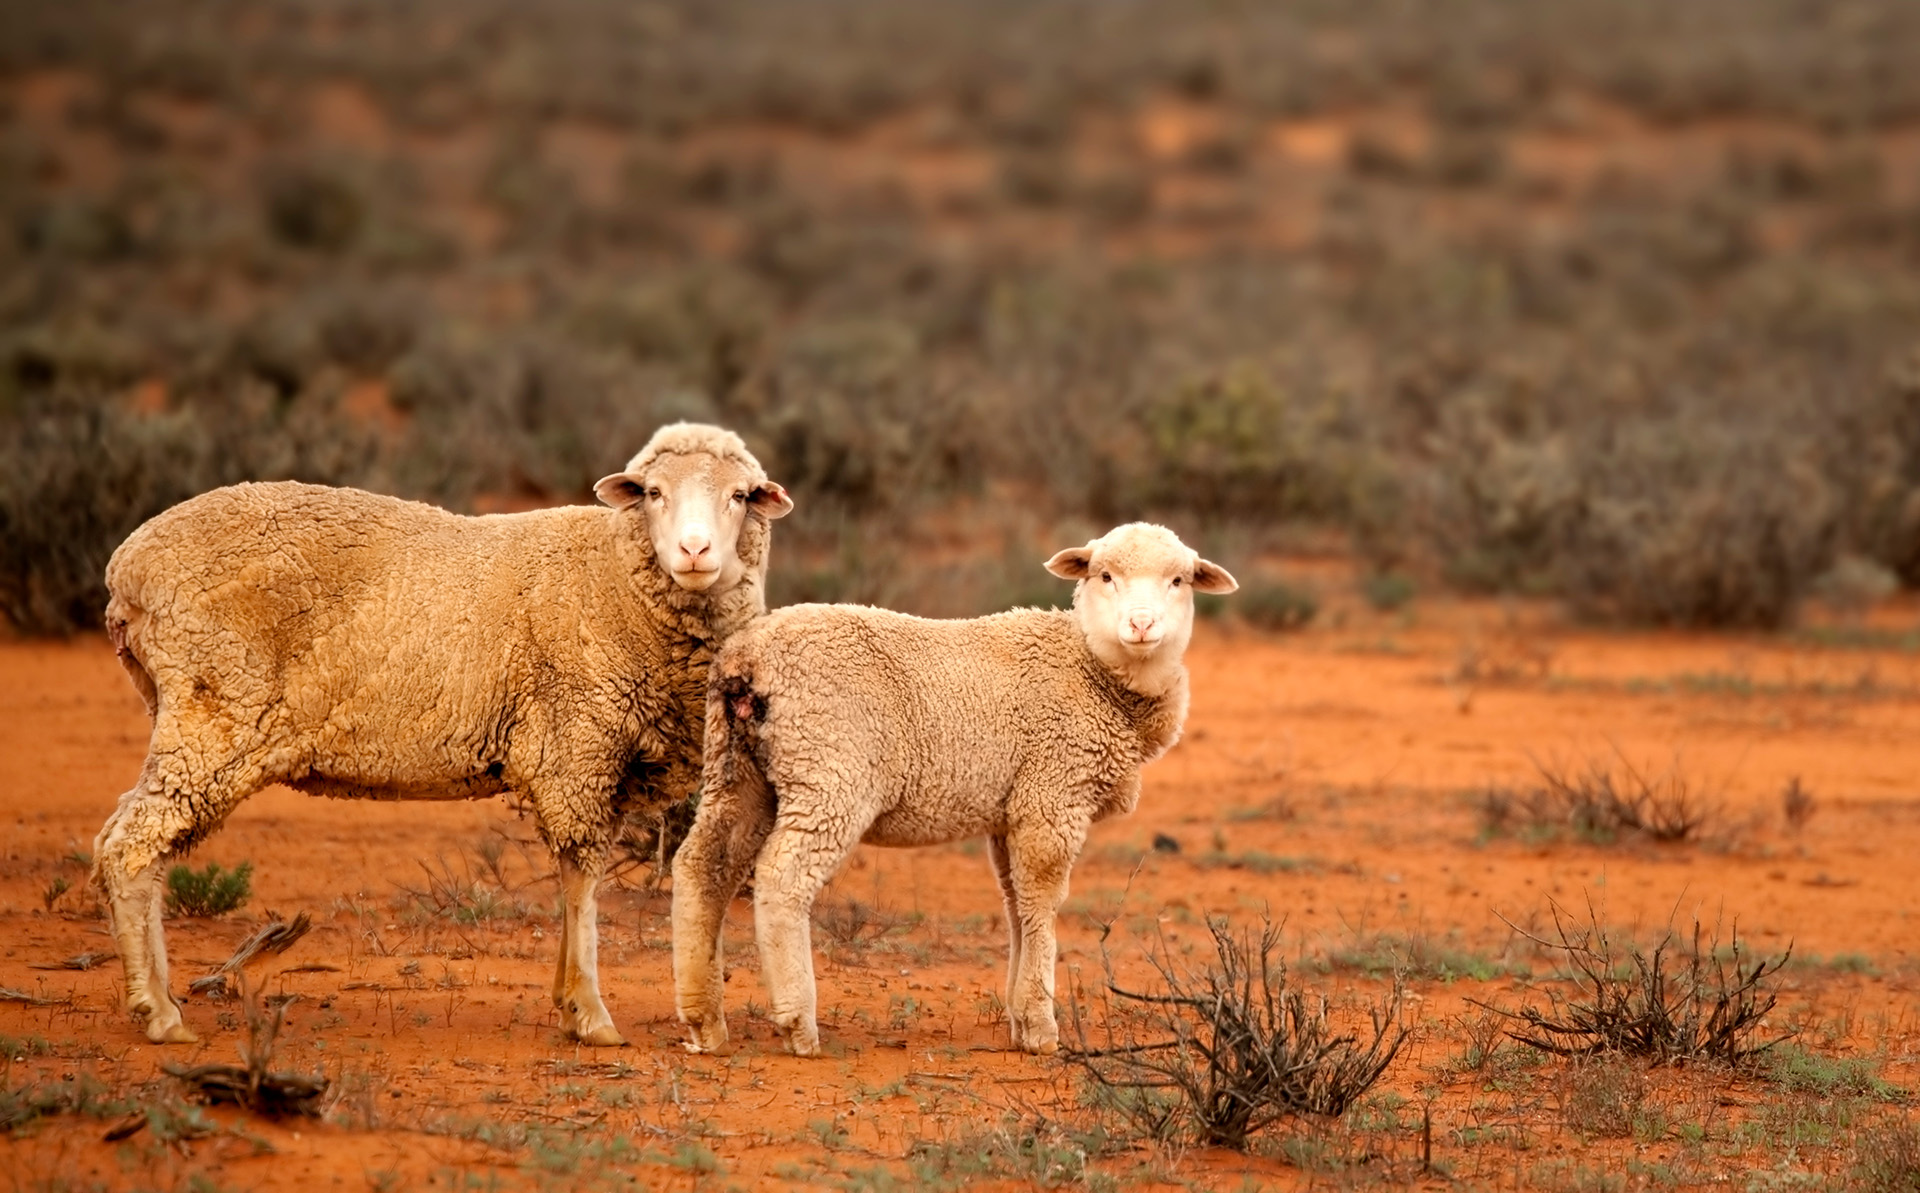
(359, 646)
(828, 725)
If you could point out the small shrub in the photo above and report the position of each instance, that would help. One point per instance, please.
(208, 892)
(1275, 606)
(850, 922)
(1387, 591)
(1802, 1071)
(464, 900)
(1797, 804)
(1680, 1000)
(1886, 1158)
(1235, 1045)
(648, 842)
(1600, 806)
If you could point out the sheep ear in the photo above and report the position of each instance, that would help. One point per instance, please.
(622, 490)
(1211, 577)
(1072, 563)
(771, 500)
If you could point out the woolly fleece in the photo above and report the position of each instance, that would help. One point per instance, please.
(876, 726)
(355, 645)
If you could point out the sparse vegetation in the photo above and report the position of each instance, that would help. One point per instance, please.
(209, 891)
(1886, 1158)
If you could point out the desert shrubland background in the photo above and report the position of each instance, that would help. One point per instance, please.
(1609, 300)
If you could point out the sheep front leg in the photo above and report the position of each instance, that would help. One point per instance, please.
(1042, 858)
(1003, 874)
(795, 863)
(576, 985)
(707, 872)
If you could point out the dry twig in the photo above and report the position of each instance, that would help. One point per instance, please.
(276, 936)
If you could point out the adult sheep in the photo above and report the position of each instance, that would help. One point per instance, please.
(828, 725)
(353, 645)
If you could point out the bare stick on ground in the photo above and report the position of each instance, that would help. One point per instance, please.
(253, 1085)
(276, 936)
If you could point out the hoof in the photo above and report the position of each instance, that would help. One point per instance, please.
(804, 1043)
(1042, 1047)
(176, 1032)
(604, 1036)
(707, 1037)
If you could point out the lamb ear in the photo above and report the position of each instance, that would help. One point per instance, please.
(622, 490)
(1072, 563)
(771, 500)
(1211, 577)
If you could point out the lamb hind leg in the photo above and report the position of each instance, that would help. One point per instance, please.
(1003, 874)
(708, 869)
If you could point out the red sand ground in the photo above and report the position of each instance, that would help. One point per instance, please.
(1352, 753)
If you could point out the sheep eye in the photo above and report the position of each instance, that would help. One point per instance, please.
(653, 493)
(1106, 577)
(739, 496)
(1176, 581)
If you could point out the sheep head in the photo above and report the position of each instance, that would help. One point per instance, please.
(696, 486)
(1134, 600)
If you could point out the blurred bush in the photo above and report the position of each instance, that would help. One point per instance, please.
(473, 253)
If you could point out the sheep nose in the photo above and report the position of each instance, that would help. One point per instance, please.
(1140, 621)
(694, 544)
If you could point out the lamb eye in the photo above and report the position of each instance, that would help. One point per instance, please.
(1106, 577)
(1176, 581)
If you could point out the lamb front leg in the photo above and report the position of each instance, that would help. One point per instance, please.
(1042, 857)
(800, 855)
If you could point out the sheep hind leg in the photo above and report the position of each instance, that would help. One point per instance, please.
(576, 989)
(1003, 873)
(134, 912)
(130, 856)
(708, 869)
(795, 863)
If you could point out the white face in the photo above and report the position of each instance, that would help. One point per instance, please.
(1140, 608)
(695, 505)
(1135, 601)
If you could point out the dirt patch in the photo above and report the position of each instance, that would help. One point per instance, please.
(1328, 778)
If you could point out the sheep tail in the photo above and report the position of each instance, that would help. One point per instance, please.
(735, 770)
(120, 618)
